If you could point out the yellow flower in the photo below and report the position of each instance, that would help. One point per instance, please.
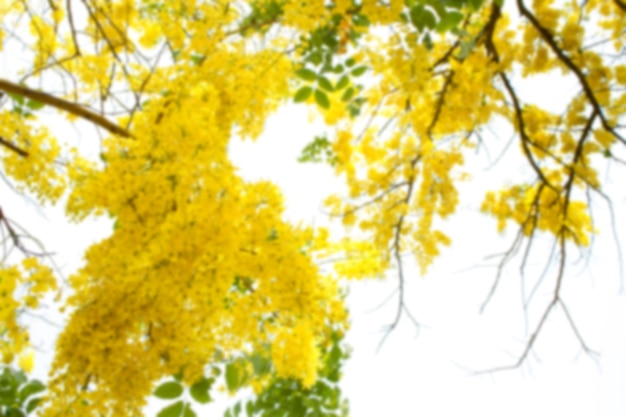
(26, 361)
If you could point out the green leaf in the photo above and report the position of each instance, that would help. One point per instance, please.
(302, 94)
(232, 377)
(306, 74)
(335, 355)
(32, 404)
(200, 390)
(315, 58)
(325, 84)
(17, 98)
(449, 21)
(416, 13)
(348, 94)
(8, 387)
(168, 390)
(428, 42)
(322, 99)
(430, 21)
(20, 377)
(474, 5)
(14, 412)
(360, 20)
(34, 105)
(438, 6)
(499, 3)
(237, 409)
(173, 410)
(358, 71)
(260, 364)
(31, 388)
(350, 62)
(342, 83)
(466, 48)
(197, 59)
(456, 4)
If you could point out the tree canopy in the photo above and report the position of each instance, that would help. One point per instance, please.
(201, 276)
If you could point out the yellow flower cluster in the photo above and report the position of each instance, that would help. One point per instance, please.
(539, 207)
(20, 287)
(295, 354)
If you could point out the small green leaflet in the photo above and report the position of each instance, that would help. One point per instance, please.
(232, 377)
(168, 390)
(31, 388)
(358, 71)
(32, 404)
(342, 83)
(200, 390)
(348, 94)
(322, 99)
(325, 84)
(302, 94)
(178, 409)
(449, 21)
(474, 5)
(360, 20)
(14, 412)
(306, 74)
(260, 364)
(34, 105)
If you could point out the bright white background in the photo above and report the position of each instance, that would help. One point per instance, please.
(430, 373)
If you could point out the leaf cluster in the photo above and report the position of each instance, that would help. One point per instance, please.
(174, 389)
(318, 150)
(287, 398)
(19, 396)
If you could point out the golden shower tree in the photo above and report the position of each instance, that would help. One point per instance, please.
(201, 270)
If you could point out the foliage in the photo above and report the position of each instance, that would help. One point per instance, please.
(18, 395)
(288, 397)
(201, 269)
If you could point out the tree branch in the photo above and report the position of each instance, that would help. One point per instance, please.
(14, 148)
(73, 108)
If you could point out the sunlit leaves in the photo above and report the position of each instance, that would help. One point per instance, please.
(288, 397)
(200, 390)
(303, 94)
(233, 377)
(177, 409)
(306, 74)
(322, 99)
(319, 150)
(169, 390)
(18, 395)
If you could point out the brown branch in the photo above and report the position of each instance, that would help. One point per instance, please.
(73, 108)
(440, 103)
(620, 4)
(521, 127)
(70, 18)
(533, 337)
(19, 151)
